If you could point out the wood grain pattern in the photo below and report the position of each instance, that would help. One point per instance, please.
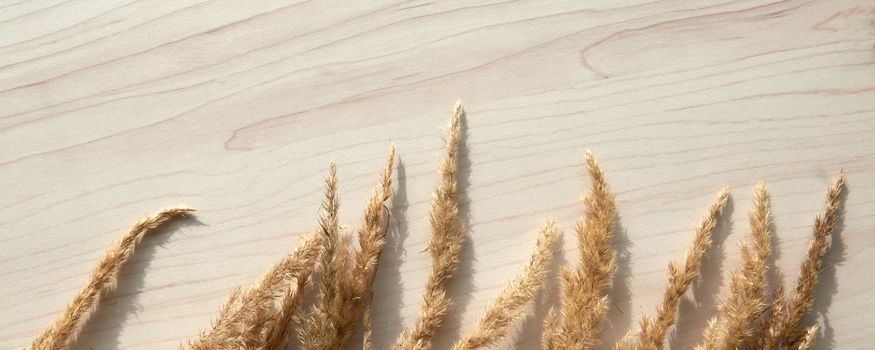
(114, 109)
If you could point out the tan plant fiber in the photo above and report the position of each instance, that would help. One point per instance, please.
(348, 275)
(808, 338)
(771, 329)
(263, 316)
(551, 322)
(510, 304)
(626, 342)
(801, 297)
(709, 336)
(372, 238)
(246, 319)
(444, 245)
(278, 331)
(367, 329)
(746, 300)
(653, 330)
(322, 328)
(252, 321)
(787, 331)
(584, 298)
(68, 324)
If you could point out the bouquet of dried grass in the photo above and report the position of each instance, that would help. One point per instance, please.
(265, 315)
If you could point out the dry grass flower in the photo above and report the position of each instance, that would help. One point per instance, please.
(263, 316)
(372, 238)
(653, 330)
(709, 336)
(801, 297)
(584, 298)
(444, 245)
(278, 331)
(785, 330)
(68, 324)
(771, 330)
(246, 319)
(323, 326)
(808, 338)
(348, 275)
(741, 308)
(509, 305)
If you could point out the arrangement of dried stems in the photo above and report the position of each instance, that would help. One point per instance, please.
(266, 315)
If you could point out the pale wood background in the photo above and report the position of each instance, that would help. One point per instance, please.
(111, 110)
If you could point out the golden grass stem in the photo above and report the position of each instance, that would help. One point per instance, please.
(626, 342)
(323, 328)
(551, 322)
(771, 330)
(653, 331)
(746, 300)
(246, 318)
(444, 246)
(808, 338)
(801, 297)
(372, 238)
(709, 336)
(68, 324)
(509, 305)
(278, 331)
(367, 330)
(584, 299)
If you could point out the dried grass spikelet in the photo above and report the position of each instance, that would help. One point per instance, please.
(68, 324)
(444, 246)
(348, 275)
(278, 330)
(626, 342)
(252, 320)
(248, 320)
(741, 308)
(653, 330)
(584, 298)
(551, 321)
(322, 327)
(800, 298)
(808, 338)
(709, 336)
(262, 317)
(509, 305)
(367, 329)
(771, 330)
(784, 326)
(372, 238)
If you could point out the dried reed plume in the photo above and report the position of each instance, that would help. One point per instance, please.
(509, 305)
(444, 245)
(785, 329)
(653, 331)
(799, 302)
(372, 238)
(323, 327)
(68, 324)
(808, 338)
(746, 300)
(249, 319)
(771, 330)
(348, 276)
(584, 298)
(264, 316)
(279, 330)
(709, 338)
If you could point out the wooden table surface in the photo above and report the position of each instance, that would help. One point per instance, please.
(111, 110)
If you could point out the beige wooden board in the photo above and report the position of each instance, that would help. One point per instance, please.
(111, 110)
